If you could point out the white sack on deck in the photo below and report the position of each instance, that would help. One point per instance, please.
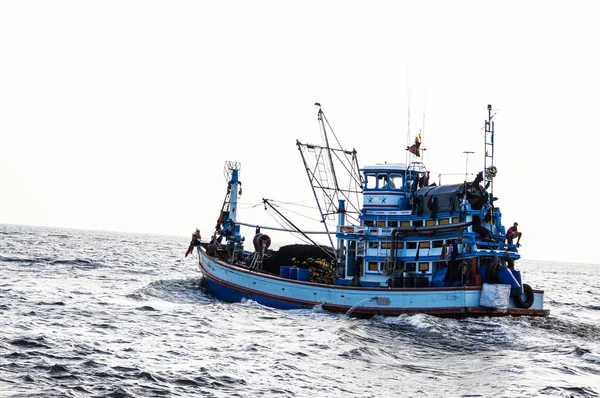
(495, 296)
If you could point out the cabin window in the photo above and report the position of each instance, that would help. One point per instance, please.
(399, 245)
(424, 266)
(444, 221)
(369, 223)
(395, 181)
(381, 223)
(410, 267)
(454, 220)
(371, 181)
(373, 245)
(382, 180)
(405, 223)
(430, 223)
(437, 243)
(386, 245)
(392, 224)
(373, 266)
(360, 249)
(411, 245)
(424, 245)
(418, 223)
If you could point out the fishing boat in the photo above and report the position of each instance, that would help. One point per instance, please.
(398, 244)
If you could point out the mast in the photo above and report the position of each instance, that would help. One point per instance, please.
(326, 163)
(467, 153)
(234, 183)
(231, 172)
(320, 118)
(488, 160)
(308, 173)
(408, 119)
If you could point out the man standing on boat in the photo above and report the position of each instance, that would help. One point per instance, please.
(194, 242)
(512, 233)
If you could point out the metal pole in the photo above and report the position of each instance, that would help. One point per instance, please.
(467, 153)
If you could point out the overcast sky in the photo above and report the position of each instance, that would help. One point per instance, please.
(119, 115)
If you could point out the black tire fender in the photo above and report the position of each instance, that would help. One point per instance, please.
(529, 297)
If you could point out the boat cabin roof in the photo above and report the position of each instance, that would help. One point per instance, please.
(384, 167)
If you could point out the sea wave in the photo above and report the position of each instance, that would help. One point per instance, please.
(127, 317)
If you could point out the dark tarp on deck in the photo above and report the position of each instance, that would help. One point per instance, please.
(449, 197)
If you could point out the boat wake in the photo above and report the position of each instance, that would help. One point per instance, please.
(176, 291)
(563, 327)
(77, 262)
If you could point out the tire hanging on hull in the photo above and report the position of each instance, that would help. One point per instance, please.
(529, 297)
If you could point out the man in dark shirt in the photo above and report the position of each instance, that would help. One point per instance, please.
(195, 242)
(512, 233)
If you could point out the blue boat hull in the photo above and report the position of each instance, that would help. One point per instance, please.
(233, 283)
(234, 295)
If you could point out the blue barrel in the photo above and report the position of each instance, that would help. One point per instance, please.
(482, 269)
(517, 275)
(303, 275)
(293, 273)
(284, 271)
(506, 277)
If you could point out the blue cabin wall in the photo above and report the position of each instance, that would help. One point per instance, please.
(387, 205)
(386, 189)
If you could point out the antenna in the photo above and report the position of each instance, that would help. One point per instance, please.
(467, 153)
(489, 169)
(408, 100)
(423, 136)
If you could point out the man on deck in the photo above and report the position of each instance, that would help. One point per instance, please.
(512, 233)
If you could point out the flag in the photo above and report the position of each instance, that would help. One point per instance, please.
(189, 250)
(414, 148)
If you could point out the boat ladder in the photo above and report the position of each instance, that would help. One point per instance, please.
(257, 260)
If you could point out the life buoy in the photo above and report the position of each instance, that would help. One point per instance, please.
(529, 297)
(261, 242)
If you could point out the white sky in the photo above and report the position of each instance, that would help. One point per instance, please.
(119, 115)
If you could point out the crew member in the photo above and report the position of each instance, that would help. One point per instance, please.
(194, 242)
(513, 232)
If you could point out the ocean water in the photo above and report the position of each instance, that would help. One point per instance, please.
(104, 314)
